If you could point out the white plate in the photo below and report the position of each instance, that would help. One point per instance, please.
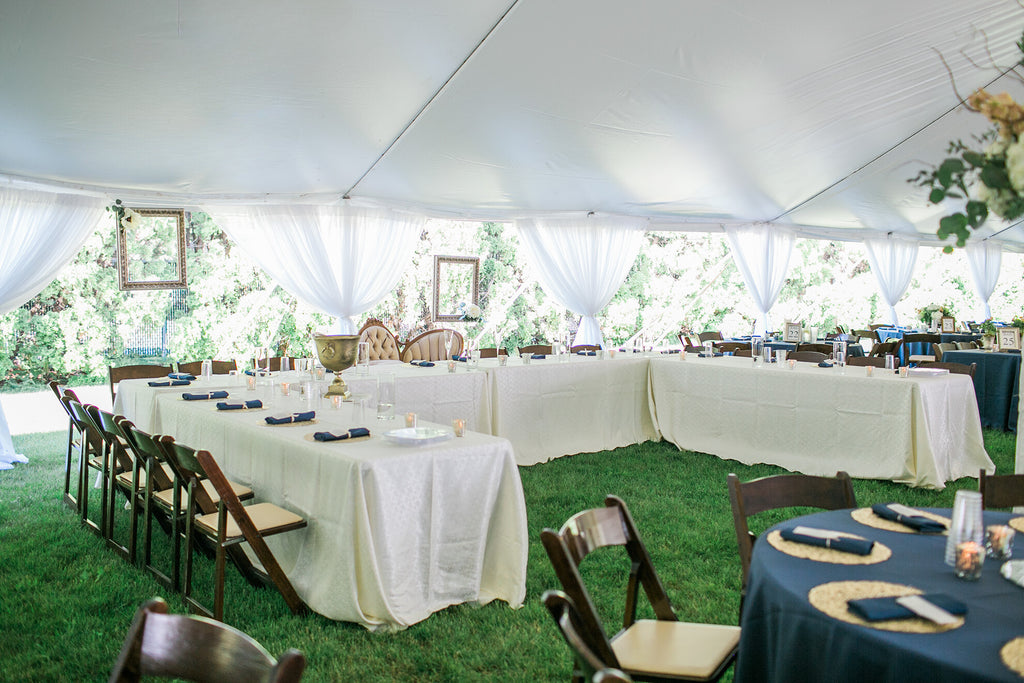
(419, 436)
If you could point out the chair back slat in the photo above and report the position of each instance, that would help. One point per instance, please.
(135, 372)
(1003, 491)
(592, 529)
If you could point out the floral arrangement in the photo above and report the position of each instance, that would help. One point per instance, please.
(1018, 322)
(988, 328)
(990, 177)
(926, 314)
(470, 313)
(126, 218)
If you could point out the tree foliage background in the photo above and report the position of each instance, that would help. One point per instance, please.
(81, 323)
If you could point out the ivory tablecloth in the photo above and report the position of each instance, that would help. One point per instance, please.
(548, 408)
(395, 532)
(918, 431)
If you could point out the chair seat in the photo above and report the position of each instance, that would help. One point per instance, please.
(166, 497)
(267, 517)
(125, 478)
(917, 358)
(675, 647)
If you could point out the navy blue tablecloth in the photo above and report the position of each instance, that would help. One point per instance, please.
(785, 639)
(996, 384)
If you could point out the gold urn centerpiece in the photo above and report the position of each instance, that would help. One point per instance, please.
(337, 352)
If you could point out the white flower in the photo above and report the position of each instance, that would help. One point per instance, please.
(473, 311)
(1015, 165)
(130, 218)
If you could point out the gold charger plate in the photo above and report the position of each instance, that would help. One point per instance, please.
(1012, 654)
(1017, 523)
(831, 599)
(879, 552)
(867, 517)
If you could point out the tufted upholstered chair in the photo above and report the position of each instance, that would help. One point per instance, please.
(430, 346)
(383, 345)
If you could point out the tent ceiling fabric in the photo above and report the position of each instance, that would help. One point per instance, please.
(693, 114)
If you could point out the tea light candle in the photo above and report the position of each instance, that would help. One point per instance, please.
(904, 371)
(251, 382)
(460, 426)
(451, 366)
(999, 541)
(336, 402)
(969, 559)
(410, 419)
(869, 371)
(285, 388)
(611, 353)
(502, 360)
(792, 363)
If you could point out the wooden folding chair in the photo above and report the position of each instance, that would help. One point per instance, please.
(135, 372)
(125, 474)
(220, 367)
(806, 356)
(561, 608)
(70, 495)
(92, 455)
(228, 523)
(197, 649)
(954, 368)
(1002, 491)
(646, 649)
(536, 348)
(782, 491)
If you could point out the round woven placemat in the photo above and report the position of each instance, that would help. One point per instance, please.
(1017, 523)
(1012, 655)
(867, 517)
(831, 598)
(879, 552)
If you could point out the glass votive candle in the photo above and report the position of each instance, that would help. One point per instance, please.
(869, 370)
(459, 425)
(502, 360)
(999, 541)
(336, 402)
(285, 388)
(451, 366)
(250, 382)
(410, 419)
(970, 556)
(321, 373)
(611, 353)
(904, 371)
(525, 358)
(792, 363)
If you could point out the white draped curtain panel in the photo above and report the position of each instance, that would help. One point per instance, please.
(762, 254)
(892, 261)
(986, 259)
(40, 232)
(581, 262)
(343, 259)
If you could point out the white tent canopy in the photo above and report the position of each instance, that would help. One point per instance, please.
(692, 114)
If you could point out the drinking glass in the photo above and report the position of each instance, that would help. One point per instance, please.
(890, 362)
(766, 354)
(207, 371)
(780, 356)
(363, 362)
(756, 347)
(449, 335)
(262, 361)
(386, 396)
(359, 409)
(839, 353)
(709, 348)
(286, 363)
(966, 525)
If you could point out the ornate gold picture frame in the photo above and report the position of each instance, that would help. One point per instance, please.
(151, 249)
(456, 281)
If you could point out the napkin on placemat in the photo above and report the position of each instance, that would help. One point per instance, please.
(353, 433)
(170, 383)
(586, 353)
(915, 522)
(240, 406)
(538, 356)
(825, 364)
(704, 355)
(294, 417)
(203, 397)
(421, 363)
(182, 375)
(828, 539)
(881, 609)
(253, 373)
(461, 359)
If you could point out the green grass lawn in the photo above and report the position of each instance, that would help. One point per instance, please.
(66, 601)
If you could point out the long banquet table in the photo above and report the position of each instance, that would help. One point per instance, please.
(921, 431)
(786, 638)
(395, 532)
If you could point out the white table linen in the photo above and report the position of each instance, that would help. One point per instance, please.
(395, 532)
(7, 454)
(921, 431)
(549, 409)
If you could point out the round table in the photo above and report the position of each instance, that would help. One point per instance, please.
(785, 638)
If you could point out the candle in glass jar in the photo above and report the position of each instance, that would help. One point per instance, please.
(251, 382)
(460, 426)
(999, 541)
(969, 558)
(451, 366)
(285, 388)
(410, 419)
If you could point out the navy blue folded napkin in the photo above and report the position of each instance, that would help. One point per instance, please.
(294, 417)
(170, 383)
(586, 353)
(421, 363)
(881, 609)
(182, 375)
(538, 356)
(856, 546)
(353, 433)
(825, 364)
(203, 397)
(915, 522)
(248, 405)
(253, 373)
(461, 359)
(704, 355)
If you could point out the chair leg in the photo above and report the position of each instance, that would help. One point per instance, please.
(71, 500)
(218, 586)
